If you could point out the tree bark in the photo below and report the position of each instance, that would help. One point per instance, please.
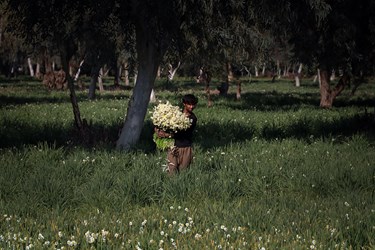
(30, 67)
(296, 77)
(328, 95)
(65, 56)
(264, 70)
(93, 80)
(126, 72)
(172, 71)
(79, 70)
(100, 80)
(152, 96)
(238, 94)
(149, 58)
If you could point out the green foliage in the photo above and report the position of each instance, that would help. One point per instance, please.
(163, 143)
(270, 170)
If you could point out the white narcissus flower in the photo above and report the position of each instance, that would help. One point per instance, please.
(169, 118)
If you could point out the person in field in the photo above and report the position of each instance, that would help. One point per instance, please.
(180, 155)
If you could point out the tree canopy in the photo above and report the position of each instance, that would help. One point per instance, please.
(331, 34)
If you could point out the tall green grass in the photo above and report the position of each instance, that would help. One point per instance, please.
(271, 171)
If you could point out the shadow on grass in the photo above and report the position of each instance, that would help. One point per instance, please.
(60, 97)
(276, 101)
(211, 135)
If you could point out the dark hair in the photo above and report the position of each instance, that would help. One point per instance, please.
(189, 99)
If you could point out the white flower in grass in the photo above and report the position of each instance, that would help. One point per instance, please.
(90, 237)
(71, 243)
(29, 246)
(40, 236)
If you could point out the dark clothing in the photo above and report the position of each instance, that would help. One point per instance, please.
(180, 156)
(185, 138)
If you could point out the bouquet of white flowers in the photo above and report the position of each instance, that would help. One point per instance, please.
(170, 119)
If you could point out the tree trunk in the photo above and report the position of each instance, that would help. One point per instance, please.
(100, 80)
(149, 58)
(229, 72)
(73, 98)
(38, 74)
(93, 80)
(278, 69)
(172, 71)
(238, 94)
(30, 67)
(328, 95)
(159, 72)
(256, 71)
(118, 71)
(325, 90)
(264, 70)
(126, 73)
(152, 96)
(1, 30)
(296, 77)
(79, 70)
(47, 62)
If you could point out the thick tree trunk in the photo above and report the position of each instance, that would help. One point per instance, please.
(149, 58)
(325, 90)
(328, 95)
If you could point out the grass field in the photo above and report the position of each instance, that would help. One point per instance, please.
(271, 171)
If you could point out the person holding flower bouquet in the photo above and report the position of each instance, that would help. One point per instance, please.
(180, 155)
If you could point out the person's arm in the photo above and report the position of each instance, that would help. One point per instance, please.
(162, 134)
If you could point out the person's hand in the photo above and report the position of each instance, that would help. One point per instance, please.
(162, 134)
